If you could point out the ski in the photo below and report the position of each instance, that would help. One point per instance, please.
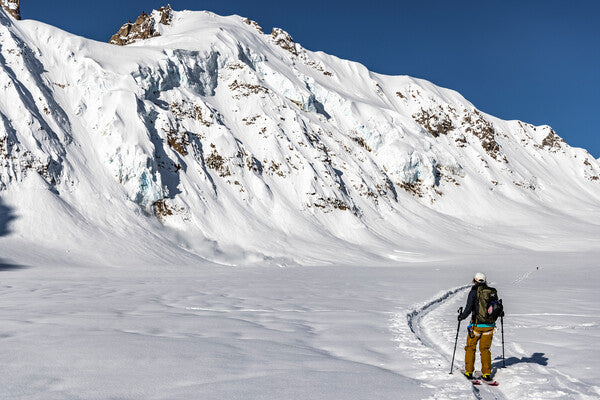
(492, 383)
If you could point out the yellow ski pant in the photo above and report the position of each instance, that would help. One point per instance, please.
(484, 337)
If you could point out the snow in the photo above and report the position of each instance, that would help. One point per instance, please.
(210, 331)
(219, 213)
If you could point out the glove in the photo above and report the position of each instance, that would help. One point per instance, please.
(459, 318)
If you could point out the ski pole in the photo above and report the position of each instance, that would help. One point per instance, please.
(460, 310)
(502, 326)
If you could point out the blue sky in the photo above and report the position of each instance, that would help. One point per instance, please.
(533, 60)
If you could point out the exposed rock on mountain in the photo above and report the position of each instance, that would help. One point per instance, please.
(283, 39)
(12, 7)
(553, 142)
(145, 26)
(253, 24)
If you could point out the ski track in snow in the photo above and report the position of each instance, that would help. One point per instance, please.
(427, 334)
(522, 277)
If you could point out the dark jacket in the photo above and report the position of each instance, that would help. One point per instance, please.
(472, 304)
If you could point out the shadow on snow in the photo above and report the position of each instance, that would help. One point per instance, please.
(10, 267)
(536, 358)
(6, 217)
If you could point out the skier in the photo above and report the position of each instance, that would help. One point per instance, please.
(481, 329)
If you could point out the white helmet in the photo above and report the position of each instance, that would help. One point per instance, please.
(479, 277)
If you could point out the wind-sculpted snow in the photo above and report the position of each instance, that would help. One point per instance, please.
(215, 130)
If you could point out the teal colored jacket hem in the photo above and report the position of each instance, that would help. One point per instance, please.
(482, 326)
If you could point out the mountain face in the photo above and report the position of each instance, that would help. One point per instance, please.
(202, 136)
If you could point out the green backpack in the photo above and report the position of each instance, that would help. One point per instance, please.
(490, 307)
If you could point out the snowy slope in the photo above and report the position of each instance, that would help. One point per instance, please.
(215, 140)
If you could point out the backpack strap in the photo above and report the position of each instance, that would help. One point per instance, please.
(477, 303)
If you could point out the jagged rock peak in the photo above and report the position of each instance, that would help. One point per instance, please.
(252, 23)
(283, 39)
(12, 7)
(144, 27)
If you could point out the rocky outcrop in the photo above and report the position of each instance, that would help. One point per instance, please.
(552, 142)
(12, 7)
(254, 24)
(436, 122)
(283, 39)
(144, 27)
(476, 124)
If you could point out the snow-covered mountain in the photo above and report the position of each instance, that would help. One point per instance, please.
(205, 137)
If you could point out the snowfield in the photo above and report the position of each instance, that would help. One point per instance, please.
(214, 332)
(218, 213)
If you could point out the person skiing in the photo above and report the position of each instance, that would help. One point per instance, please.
(480, 301)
